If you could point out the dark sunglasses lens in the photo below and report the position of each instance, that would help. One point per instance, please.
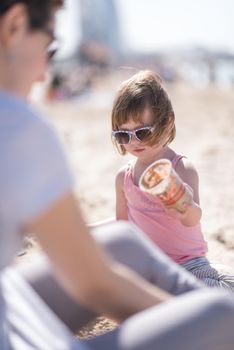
(143, 134)
(51, 53)
(52, 50)
(122, 137)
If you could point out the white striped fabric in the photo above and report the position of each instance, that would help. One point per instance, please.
(212, 274)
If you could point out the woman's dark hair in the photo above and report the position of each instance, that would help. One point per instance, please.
(39, 11)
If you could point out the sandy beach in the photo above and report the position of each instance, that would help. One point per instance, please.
(205, 134)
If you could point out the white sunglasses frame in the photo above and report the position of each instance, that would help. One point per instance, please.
(130, 134)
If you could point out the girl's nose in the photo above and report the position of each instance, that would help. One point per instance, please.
(134, 139)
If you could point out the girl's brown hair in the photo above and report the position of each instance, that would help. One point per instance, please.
(144, 90)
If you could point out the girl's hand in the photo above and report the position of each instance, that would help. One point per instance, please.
(180, 215)
(190, 216)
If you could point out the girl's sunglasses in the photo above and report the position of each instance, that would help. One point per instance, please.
(123, 137)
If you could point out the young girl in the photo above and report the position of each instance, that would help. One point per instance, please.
(143, 124)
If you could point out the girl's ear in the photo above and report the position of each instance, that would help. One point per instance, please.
(13, 25)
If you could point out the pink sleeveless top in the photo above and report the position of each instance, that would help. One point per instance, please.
(181, 243)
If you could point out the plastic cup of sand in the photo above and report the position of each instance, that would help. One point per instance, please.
(161, 180)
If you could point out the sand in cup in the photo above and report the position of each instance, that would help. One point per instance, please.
(161, 179)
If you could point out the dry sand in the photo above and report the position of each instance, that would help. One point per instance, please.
(205, 134)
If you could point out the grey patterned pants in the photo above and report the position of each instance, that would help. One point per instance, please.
(212, 274)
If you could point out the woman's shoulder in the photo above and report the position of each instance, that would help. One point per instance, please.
(28, 139)
(20, 117)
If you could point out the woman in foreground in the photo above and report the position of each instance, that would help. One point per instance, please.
(36, 196)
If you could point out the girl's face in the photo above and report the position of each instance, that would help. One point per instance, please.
(138, 148)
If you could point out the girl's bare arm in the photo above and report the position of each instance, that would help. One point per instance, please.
(121, 202)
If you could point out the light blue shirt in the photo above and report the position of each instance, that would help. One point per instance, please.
(33, 171)
(33, 175)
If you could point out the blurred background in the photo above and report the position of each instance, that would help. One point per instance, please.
(190, 44)
(181, 39)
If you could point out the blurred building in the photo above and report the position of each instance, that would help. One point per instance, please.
(100, 39)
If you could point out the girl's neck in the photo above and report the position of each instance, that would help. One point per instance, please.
(142, 163)
(165, 152)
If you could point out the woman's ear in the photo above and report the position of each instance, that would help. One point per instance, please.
(13, 25)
